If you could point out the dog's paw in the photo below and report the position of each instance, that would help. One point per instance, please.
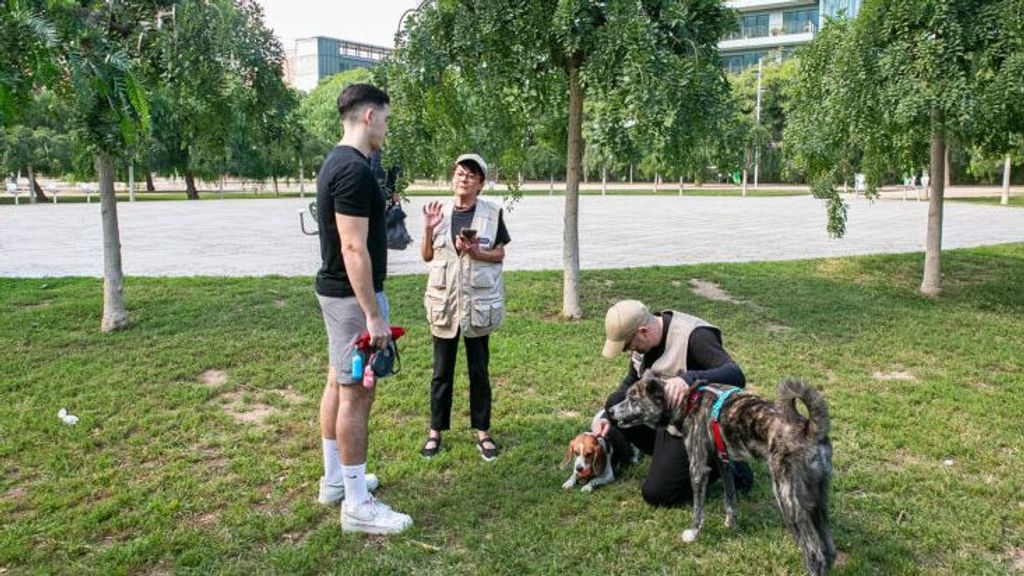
(568, 483)
(689, 535)
(587, 488)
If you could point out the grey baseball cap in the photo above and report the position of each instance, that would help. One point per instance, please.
(475, 159)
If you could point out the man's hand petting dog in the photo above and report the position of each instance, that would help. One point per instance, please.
(675, 391)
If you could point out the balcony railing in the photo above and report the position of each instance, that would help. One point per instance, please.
(744, 33)
(765, 32)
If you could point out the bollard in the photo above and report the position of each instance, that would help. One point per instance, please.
(12, 189)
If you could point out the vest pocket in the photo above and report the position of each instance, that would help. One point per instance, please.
(437, 277)
(439, 313)
(487, 314)
(484, 275)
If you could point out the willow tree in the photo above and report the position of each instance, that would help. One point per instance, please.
(480, 73)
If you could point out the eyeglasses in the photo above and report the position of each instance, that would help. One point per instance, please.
(465, 175)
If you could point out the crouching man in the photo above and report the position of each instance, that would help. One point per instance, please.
(679, 349)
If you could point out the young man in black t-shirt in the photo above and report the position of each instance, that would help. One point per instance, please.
(350, 288)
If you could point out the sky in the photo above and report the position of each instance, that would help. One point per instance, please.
(368, 21)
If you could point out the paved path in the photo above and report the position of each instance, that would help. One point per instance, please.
(260, 237)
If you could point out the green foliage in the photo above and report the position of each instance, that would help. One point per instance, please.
(492, 76)
(1000, 83)
(778, 81)
(27, 40)
(318, 112)
(104, 93)
(869, 90)
(187, 86)
(221, 105)
(167, 474)
(40, 139)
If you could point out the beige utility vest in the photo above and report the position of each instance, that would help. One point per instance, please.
(672, 362)
(463, 293)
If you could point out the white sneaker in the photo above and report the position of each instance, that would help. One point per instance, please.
(332, 493)
(373, 517)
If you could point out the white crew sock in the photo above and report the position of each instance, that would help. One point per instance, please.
(354, 478)
(332, 462)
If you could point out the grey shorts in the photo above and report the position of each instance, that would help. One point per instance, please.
(345, 321)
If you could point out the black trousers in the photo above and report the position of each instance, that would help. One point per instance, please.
(668, 479)
(477, 357)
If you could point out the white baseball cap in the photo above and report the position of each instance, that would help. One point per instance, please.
(475, 159)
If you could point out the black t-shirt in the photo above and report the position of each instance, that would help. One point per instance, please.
(346, 186)
(464, 219)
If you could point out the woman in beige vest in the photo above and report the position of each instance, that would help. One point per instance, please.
(464, 246)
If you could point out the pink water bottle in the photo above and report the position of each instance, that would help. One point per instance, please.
(369, 378)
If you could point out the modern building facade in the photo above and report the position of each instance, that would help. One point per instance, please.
(776, 27)
(313, 59)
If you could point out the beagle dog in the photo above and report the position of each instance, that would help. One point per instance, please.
(595, 460)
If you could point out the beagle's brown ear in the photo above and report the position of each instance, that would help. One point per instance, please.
(568, 455)
(600, 460)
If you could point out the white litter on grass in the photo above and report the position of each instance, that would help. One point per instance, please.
(66, 417)
(949, 462)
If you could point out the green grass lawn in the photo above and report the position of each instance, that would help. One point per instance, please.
(993, 200)
(198, 449)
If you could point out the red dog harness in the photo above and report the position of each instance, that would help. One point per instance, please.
(716, 412)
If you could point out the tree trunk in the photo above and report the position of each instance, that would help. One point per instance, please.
(1006, 182)
(757, 169)
(149, 182)
(33, 188)
(39, 191)
(131, 182)
(570, 234)
(604, 180)
(931, 284)
(114, 315)
(746, 162)
(302, 179)
(946, 170)
(190, 186)
(276, 192)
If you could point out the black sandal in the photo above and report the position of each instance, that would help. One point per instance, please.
(488, 454)
(428, 452)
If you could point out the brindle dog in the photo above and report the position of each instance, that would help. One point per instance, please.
(796, 448)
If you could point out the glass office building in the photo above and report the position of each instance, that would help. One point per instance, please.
(316, 58)
(776, 28)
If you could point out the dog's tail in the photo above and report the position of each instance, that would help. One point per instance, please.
(791, 390)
